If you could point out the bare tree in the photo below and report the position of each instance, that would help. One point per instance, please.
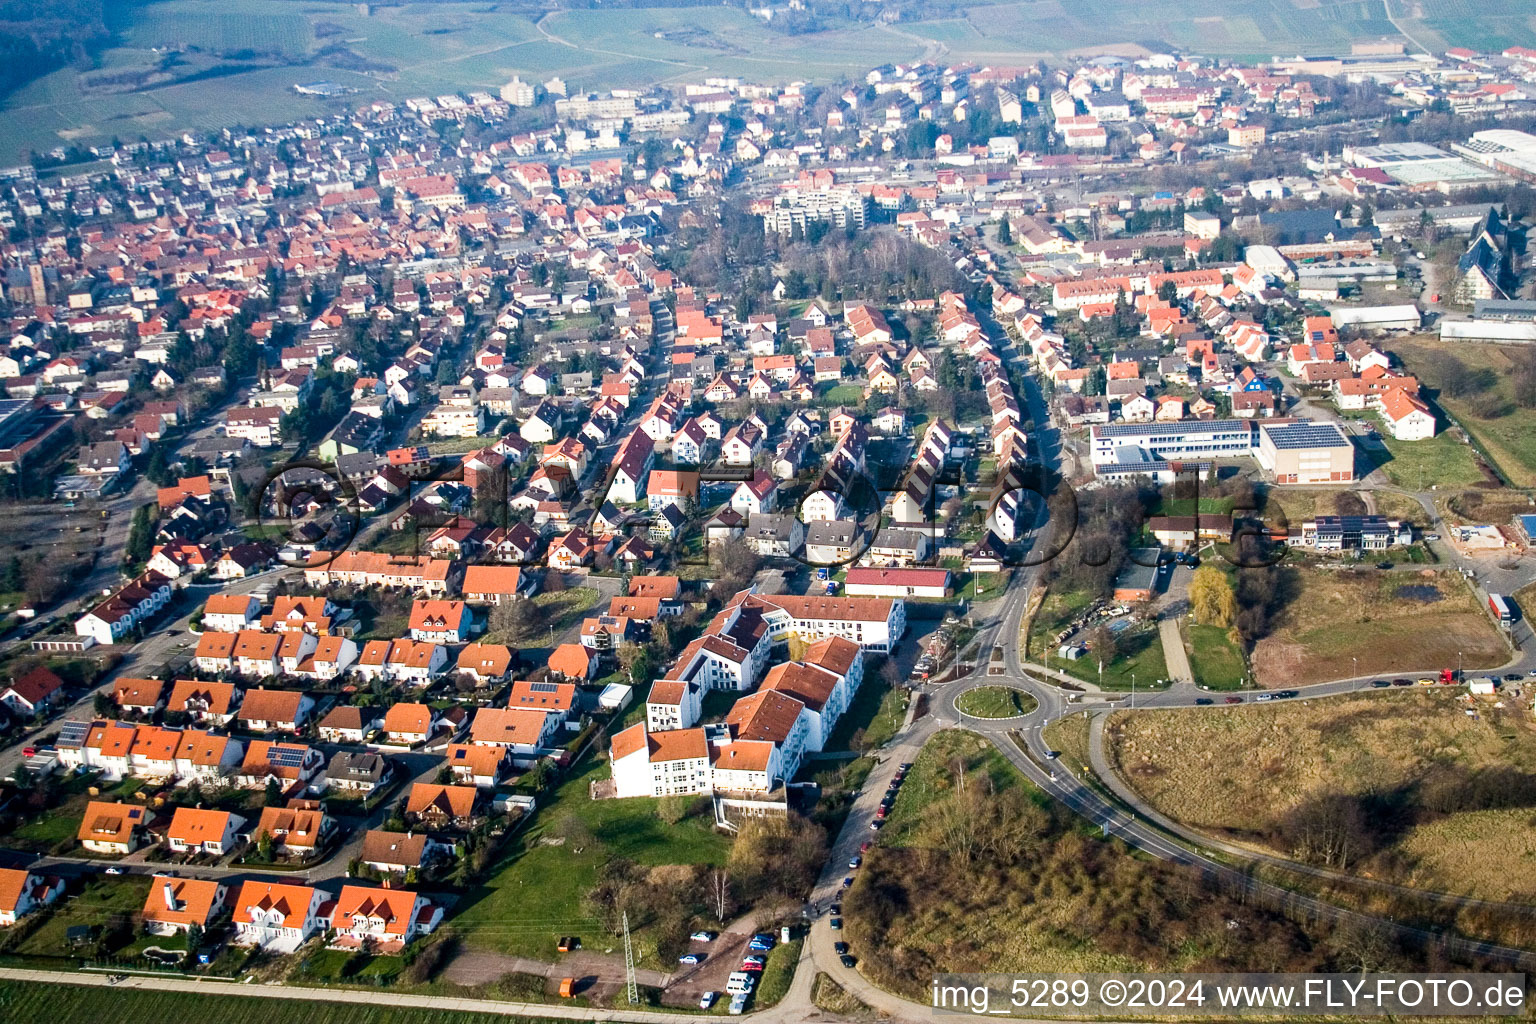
(720, 893)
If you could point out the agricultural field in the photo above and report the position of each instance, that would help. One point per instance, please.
(1245, 28)
(33, 1003)
(1489, 26)
(1486, 408)
(202, 65)
(1390, 622)
(208, 64)
(1430, 795)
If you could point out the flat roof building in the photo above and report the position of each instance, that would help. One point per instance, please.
(1171, 442)
(1306, 452)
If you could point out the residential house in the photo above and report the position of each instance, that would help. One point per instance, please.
(380, 921)
(398, 853)
(443, 808)
(176, 905)
(22, 892)
(274, 710)
(278, 918)
(114, 828)
(440, 621)
(203, 830)
(298, 830)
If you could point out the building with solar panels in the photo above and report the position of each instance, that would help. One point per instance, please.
(1306, 452)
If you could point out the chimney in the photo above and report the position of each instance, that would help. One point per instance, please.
(171, 903)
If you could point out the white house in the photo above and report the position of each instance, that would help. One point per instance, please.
(278, 918)
(22, 892)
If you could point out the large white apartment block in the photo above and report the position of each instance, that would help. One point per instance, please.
(1174, 442)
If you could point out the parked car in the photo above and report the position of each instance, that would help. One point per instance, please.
(752, 966)
(835, 909)
(707, 1000)
(738, 1004)
(1234, 699)
(704, 936)
(836, 923)
(855, 861)
(1379, 683)
(1201, 701)
(691, 958)
(847, 961)
(839, 948)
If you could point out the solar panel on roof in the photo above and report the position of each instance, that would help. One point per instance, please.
(1307, 435)
(543, 687)
(285, 757)
(72, 734)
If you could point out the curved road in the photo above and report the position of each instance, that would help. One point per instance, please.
(1003, 632)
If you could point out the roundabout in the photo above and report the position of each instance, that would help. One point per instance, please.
(995, 702)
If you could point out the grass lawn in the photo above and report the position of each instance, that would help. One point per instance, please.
(1140, 657)
(933, 775)
(778, 972)
(843, 394)
(338, 965)
(1338, 623)
(1068, 736)
(1506, 432)
(1058, 609)
(1441, 462)
(105, 900)
(1413, 760)
(1214, 659)
(996, 702)
(1188, 506)
(717, 704)
(563, 608)
(534, 894)
(983, 585)
(876, 711)
(45, 833)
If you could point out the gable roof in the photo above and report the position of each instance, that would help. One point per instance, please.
(292, 902)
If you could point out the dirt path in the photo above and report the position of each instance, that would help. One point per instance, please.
(1174, 654)
(480, 967)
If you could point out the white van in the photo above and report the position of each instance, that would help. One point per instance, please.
(739, 983)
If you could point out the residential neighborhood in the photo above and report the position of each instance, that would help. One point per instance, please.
(645, 547)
